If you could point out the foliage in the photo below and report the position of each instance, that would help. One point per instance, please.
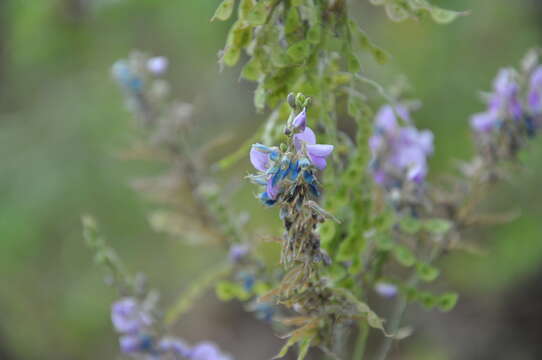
(371, 217)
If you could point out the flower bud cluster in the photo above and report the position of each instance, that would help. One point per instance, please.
(513, 113)
(288, 173)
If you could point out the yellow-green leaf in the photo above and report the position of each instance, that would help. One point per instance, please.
(224, 10)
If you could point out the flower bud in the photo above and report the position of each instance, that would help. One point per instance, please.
(291, 100)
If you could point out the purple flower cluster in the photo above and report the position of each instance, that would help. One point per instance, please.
(399, 151)
(134, 323)
(507, 108)
(281, 168)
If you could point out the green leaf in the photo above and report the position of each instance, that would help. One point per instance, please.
(365, 43)
(381, 56)
(396, 12)
(404, 256)
(353, 63)
(447, 301)
(427, 272)
(346, 249)
(314, 34)
(327, 232)
(304, 347)
(252, 70)
(410, 225)
(299, 51)
(231, 55)
(258, 14)
(280, 58)
(284, 350)
(244, 9)
(428, 300)
(226, 291)
(439, 15)
(437, 226)
(373, 319)
(293, 22)
(224, 10)
(443, 16)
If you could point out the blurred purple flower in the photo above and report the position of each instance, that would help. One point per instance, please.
(174, 346)
(535, 91)
(316, 152)
(386, 118)
(484, 122)
(158, 65)
(129, 343)
(398, 150)
(238, 252)
(207, 351)
(386, 290)
(135, 343)
(504, 100)
(127, 317)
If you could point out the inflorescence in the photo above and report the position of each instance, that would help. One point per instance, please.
(288, 173)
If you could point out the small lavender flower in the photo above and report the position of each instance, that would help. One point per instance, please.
(386, 290)
(399, 152)
(158, 65)
(535, 92)
(261, 155)
(128, 317)
(316, 152)
(130, 344)
(484, 122)
(238, 252)
(171, 345)
(504, 100)
(207, 351)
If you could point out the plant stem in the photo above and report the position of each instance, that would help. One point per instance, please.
(361, 342)
(401, 305)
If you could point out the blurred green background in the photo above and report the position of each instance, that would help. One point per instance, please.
(62, 122)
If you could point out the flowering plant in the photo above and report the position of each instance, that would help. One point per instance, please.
(359, 215)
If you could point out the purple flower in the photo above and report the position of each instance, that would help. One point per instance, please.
(535, 92)
(135, 343)
(386, 290)
(174, 346)
(398, 151)
(207, 351)
(484, 122)
(238, 252)
(129, 343)
(316, 152)
(504, 100)
(271, 189)
(260, 156)
(300, 121)
(386, 119)
(127, 317)
(157, 65)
